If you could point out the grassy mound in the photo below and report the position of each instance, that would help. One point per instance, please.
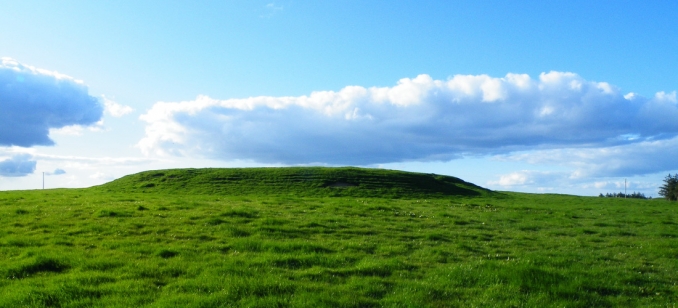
(297, 181)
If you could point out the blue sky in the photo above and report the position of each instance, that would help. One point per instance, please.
(537, 96)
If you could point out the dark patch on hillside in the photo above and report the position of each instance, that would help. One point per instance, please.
(299, 181)
(342, 185)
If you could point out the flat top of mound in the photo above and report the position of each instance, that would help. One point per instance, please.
(299, 181)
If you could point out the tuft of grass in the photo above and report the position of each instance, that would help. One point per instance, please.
(215, 221)
(166, 253)
(112, 213)
(35, 266)
(241, 212)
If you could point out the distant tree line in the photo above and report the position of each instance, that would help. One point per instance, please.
(634, 195)
(670, 188)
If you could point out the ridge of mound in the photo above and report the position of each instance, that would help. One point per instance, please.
(299, 181)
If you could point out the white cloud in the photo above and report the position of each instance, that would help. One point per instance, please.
(630, 95)
(110, 107)
(77, 130)
(515, 178)
(563, 181)
(666, 97)
(637, 158)
(101, 176)
(600, 185)
(33, 101)
(528, 177)
(70, 130)
(618, 185)
(115, 109)
(417, 119)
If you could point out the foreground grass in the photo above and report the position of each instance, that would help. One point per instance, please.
(88, 248)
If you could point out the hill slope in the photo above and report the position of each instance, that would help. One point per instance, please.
(299, 181)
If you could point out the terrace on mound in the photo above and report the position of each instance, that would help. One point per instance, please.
(297, 181)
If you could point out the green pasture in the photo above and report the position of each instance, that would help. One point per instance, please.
(350, 238)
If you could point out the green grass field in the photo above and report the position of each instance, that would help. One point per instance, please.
(327, 237)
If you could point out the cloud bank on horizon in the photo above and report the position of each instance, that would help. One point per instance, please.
(33, 101)
(423, 119)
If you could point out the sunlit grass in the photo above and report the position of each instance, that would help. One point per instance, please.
(88, 248)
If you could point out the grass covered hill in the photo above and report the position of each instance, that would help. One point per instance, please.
(298, 181)
(276, 237)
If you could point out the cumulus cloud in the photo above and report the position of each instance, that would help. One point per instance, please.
(115, 109)
(18, 165)
(639, 158)
(512, 179)
(528, 178)
(419, 119)
(33, 101)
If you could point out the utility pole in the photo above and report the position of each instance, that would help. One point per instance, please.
(624, 188)
(43, 180)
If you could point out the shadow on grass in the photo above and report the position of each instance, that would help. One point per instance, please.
(38, 265)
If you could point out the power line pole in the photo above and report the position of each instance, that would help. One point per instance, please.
(43, 180)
